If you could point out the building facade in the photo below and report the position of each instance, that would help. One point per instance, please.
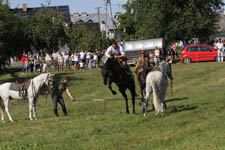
(102, 22)
(29, 12)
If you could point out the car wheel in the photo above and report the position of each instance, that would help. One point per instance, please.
(187, 60)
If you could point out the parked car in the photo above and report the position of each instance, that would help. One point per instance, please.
(198, 52)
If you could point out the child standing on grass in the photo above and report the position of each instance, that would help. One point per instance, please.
(81, 64)
(57, 96)
(52, 64)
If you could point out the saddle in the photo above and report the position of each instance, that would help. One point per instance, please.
(21, 87)
(155, 68)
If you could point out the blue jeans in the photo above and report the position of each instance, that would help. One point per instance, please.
(87, 62)
(23, 67)
(34, 69)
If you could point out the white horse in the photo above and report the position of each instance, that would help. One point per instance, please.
(157, 83)
(32, 93)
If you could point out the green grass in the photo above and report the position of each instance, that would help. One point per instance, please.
(195, 119)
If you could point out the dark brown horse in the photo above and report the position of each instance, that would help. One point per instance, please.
(112, 71)
(141, 74)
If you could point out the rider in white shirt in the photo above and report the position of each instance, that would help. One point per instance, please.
(117, 51)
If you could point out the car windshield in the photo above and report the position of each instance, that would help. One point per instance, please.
(212, 47)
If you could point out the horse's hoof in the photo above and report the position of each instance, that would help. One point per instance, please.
(31, 119)
(145, 114)
(128, 112)
(3, 121)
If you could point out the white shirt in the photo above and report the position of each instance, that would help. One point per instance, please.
(47, 57)
(88, 55)
(157, 52)
(60, 59)
(55, 55)
(82, 55)
(219, 46)
(66, 57)
(75, 58)
(81, 64)
(116, 52)
(95, 57)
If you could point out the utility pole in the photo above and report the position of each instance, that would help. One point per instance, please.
(106, 14)
(108, 3)
(99, 21)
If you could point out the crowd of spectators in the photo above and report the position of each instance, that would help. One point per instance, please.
(58, 61)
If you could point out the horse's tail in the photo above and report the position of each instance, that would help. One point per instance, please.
(1, 104)
(156, 97)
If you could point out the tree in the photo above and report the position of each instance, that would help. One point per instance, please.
(170, 19)
(46, 29)
(11, 36)
(81, 37)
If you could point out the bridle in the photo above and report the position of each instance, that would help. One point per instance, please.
(48, 81)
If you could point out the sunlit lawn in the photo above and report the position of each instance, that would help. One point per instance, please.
(195, 119)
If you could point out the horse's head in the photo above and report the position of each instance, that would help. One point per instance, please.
(105, 73)
(49, 80)
(146, 64)
(166, 69)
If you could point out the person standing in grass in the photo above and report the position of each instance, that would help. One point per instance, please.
(23, 59)
(57, 96)
(95, 60)
(156, 56)
(60, 61)
(219, 46)
(35, 63)
(88, 56)
(66, 60)
(75, 59)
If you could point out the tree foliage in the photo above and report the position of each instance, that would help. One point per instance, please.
(170, 19)
(46, 29)
(81, 37)
(10, 33)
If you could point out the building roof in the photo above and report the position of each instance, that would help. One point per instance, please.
(31, 11)
(86, 18)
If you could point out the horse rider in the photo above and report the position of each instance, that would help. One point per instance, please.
(117, 51)
(139, 66)
(57, 96)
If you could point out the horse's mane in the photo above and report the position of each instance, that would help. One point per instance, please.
(115, 69)
(41, 75)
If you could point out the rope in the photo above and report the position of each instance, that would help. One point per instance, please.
(99, 100)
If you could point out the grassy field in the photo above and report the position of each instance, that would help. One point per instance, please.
(195, 119)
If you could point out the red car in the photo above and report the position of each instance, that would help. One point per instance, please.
(198, 52)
